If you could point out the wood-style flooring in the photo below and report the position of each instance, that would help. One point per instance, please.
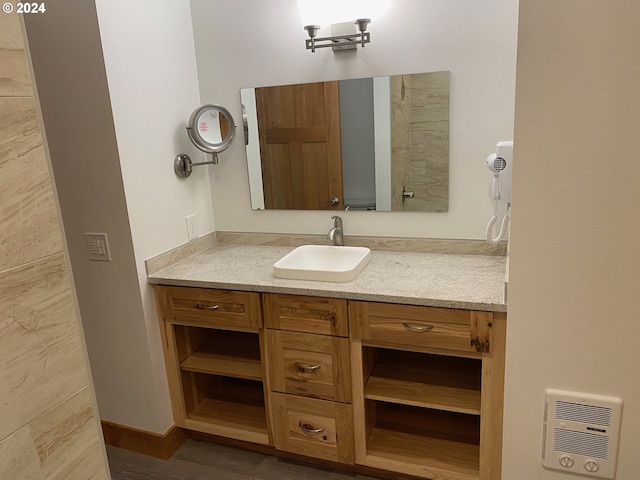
(198, 460)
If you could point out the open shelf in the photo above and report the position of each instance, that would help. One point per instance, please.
(410, 449)
(422, 413)
(219, 352)
(217, 404)
(424, 380)
(422, 436)
(221, 379)
(231, 414)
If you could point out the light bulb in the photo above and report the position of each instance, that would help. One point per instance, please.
(327, 12)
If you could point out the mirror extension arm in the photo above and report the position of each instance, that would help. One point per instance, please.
(183, 165)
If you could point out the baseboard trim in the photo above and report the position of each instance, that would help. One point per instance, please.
(141, 441)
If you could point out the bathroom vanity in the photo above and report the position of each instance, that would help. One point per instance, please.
(401, 369)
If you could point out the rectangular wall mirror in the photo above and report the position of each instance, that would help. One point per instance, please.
(377, 144)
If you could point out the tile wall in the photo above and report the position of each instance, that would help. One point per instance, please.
(48, 424)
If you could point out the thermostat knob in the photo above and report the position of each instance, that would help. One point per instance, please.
(566, 462)
(591, 466)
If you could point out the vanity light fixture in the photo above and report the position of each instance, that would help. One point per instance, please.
(342, 41)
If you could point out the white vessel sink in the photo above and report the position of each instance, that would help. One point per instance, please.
(322, 263)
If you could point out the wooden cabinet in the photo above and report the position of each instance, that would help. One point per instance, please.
(427, 395)
(214, 348)
(310, 376)
(409, 389)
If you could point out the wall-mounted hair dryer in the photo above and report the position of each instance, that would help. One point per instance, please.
(501, 164)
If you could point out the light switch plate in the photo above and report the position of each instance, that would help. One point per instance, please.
(97, 246)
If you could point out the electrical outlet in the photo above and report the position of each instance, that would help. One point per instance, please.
(192, 227)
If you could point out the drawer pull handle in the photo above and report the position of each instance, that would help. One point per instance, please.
(309, 430)
(418, 328)
(199, 306)
(306, 368)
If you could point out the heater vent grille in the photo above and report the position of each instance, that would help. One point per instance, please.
(579, 443)
(576, 412)
(581, 433)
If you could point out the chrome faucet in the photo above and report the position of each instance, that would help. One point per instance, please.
(336, 234)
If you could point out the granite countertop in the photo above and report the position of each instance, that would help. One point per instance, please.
(474, 282)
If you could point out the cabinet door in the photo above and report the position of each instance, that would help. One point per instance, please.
(310, 365)
(298, 313)
(212, 308)
(312, 427)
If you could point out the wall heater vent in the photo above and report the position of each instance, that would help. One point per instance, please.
(576, 412)
(581, 433)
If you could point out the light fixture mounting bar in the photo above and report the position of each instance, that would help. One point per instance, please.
(341, 40)
(347, 41)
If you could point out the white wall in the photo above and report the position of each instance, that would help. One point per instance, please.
(114, 126)
(248, 44)
(575, 267)
(151, 70)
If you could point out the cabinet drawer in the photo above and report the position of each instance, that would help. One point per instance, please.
(327, 316)
(409, 325)
(310, 365)
(312, 427)
(210, 308)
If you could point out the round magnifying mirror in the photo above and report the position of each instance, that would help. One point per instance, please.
(211, 128)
